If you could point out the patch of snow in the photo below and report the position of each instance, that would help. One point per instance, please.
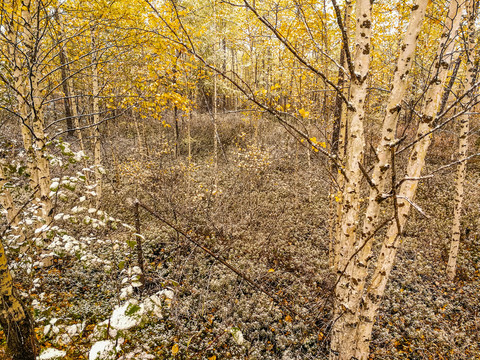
(51, 354)
(127, 316)
(54, 186)
(47, 329)
(237, 335)
(103, 350)
(126, 292)
(79, 155)
(156, 302)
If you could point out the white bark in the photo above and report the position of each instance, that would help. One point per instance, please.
(337, 218)
(29, 98)
(352, 281)
(343, 338)
(462, 147)
(407, 190)
(6, 200)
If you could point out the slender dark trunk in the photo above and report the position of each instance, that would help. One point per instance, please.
(67, 100)
(449, 87)
(337, 111)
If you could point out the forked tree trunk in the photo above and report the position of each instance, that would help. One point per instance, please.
(463, 144)
(416, 162)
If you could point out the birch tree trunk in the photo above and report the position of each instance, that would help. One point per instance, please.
(462, 146)
(353, 274)
(42, 164)
(16, 321)
(338, 147)
(6, 200)
(24, 55)
(416, 162)
(343, 338)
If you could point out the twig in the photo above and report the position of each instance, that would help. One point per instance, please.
(418, 208)
(394, 190)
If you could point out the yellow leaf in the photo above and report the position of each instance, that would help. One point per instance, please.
(175, 349)
(214, 357)
(288, 318)
(271, 270)
(303, 113)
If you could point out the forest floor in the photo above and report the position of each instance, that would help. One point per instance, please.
(266, 209)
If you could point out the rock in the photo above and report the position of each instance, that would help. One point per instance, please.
(127, 316)
(51, 354)
(103, 350)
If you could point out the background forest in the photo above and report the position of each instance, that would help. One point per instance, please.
(277, 179)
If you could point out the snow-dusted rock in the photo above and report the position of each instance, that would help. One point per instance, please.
(103, 350)
(127, 316)
(51, 354)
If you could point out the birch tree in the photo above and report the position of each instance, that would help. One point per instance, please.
(23, 37)
(358, 296)
(352, 274)
(353, 175)
(464, 120)
(15, 318)
(403, 199)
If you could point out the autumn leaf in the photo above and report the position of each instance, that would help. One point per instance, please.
(303, 113)
(175, 349)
